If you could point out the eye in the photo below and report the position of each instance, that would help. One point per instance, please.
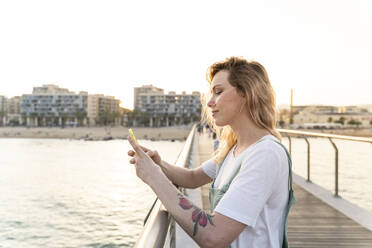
(217, 92)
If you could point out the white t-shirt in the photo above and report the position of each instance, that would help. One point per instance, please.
(258, 195)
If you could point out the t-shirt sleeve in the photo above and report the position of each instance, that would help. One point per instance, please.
(251, 188)
(210, 168)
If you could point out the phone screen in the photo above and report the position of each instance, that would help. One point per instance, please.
(132, 135)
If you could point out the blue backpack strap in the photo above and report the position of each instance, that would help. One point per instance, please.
(291, 197)
(289, 165)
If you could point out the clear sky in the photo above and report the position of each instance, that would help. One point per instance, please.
(320, 48)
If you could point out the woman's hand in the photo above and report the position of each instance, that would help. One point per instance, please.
(146, 169)
(153, 154)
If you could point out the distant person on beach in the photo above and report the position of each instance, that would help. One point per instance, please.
(251, 190)
(208, 130)
(200, 128)
(216, 142)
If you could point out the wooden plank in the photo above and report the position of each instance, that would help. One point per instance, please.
(312, 223)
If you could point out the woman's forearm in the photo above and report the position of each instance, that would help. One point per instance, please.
(196, 222)
(182, 177)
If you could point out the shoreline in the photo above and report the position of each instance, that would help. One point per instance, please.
(119, 132)
(96, 133)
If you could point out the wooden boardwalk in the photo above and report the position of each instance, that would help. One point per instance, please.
(312, 223)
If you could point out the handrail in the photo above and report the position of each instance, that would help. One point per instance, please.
(330, 137)
(156, 228)
(333, 136)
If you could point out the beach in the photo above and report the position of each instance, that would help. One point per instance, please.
(96, 133)
(119, 132)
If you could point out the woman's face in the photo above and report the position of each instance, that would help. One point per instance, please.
(225, 102)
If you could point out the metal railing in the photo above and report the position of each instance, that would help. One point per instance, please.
(157, 222)
(330, 137)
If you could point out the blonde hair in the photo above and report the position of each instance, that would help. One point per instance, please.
(251, 81)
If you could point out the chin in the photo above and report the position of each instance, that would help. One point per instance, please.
(220, 123)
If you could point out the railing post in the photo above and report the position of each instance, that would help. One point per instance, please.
(308, 159)
(290, 145)
(336, 166)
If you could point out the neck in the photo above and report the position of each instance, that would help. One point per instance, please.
(247, 132)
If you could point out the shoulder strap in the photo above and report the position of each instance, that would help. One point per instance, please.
(289, 165)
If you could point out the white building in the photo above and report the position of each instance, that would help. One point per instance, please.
(166, 109)
(3, 103)
(53, 106)
(50, 105)
(3, 110)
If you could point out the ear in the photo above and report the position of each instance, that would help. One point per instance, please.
(241, 91)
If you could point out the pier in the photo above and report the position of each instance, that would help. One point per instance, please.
(318, 219)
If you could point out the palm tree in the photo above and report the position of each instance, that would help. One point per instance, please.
(2, 114)
(172, 119)
(354, 122)
(144, 118)
(40, 119)
(63, 116)
(34, 116)
(112, 117)
(52, 118)
(24, 118)
(80, 115)
(132, 117)
(166, 118)
(105, 117)
(116, 116)
(183, 118)
(49, 118)
(341, 120)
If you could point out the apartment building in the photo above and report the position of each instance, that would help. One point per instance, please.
(144, 91)
(10, 110)
(3, 109)
(14, 105)
(99, 106)
(54, 106)
(166, 109)
(3, 103)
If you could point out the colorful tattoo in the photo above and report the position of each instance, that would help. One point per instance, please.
(199, 217)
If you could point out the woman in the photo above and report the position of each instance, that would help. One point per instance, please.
(250, 193)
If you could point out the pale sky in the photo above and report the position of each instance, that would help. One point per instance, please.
(320, 48)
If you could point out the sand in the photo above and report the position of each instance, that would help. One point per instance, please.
(96, 133)
(100, 133)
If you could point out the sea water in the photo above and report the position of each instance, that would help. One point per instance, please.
(73, 193)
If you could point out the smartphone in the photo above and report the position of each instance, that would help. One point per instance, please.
(132, 135)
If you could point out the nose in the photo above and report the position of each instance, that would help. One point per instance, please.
(211, 102)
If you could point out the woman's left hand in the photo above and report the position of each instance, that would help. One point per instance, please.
(146, 169)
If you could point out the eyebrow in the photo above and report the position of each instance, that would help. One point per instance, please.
(216, 86)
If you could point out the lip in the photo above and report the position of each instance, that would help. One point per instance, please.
(214, 112)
